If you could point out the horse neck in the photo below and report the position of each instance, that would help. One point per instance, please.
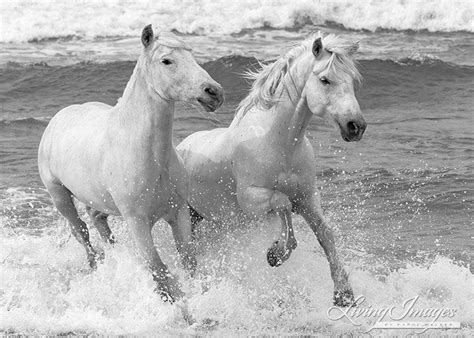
(145, 116)
(290, 117)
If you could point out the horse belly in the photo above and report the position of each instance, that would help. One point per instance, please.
(213, 198)
(211, 183)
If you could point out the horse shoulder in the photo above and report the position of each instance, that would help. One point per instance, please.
(304, 165)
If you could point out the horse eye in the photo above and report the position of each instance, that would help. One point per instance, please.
(324, 80)
(166, 62)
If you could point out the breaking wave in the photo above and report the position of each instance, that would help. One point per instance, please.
(25, 20)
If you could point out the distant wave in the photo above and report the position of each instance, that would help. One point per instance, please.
(236, 61)
(228, 70)
(27, 20)
(26, 121)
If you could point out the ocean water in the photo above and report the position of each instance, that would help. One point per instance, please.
(400, 201)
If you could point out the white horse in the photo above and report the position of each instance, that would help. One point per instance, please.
(121, 160)
(264, 163)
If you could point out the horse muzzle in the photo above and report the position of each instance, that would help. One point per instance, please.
(212, 98)
(353, 130)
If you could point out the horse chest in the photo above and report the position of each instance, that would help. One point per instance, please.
(287, 181)
(158, 186)
(285, 176)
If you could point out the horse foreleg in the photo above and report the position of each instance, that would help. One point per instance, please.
(312, 213)
(167, 286)
(282, 248)
(182, 232)
(257, 201)
(99, 219)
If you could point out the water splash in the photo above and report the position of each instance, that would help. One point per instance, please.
(47, 288)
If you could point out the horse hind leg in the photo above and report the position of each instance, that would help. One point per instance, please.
(99, 219)
(196, 218)
(62, 199)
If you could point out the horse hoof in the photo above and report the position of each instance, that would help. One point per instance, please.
(272, 259)
(343, 298)
(209, 323)
(277, 254)
(111, 240)
(166, 297)
(95, 258)
(168, 290)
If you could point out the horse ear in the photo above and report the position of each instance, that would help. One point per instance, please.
(352, 49)
(147, 36)
(317, 47)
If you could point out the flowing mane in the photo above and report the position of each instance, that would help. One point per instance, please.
(268, 84)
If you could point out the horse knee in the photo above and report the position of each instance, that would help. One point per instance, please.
(96, 215)
(280, 202)
(99, 219)
(196, 218)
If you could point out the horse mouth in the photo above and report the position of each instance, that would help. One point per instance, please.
(349, 136)
(209, 105)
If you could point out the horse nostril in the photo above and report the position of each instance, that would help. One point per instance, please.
(211, 91)
(352, 127)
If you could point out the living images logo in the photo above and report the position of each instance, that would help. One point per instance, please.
(406, 316)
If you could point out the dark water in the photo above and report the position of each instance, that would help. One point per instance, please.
(400, 201)
(415, 160)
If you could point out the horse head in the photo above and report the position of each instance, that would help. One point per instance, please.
(171, 71)
(329, 88)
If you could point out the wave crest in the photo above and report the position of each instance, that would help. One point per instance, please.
(37, 21)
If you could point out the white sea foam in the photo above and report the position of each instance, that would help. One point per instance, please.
(23, 20)
(46, 286)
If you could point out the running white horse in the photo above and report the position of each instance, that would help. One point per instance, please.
(121, 160)
(264, 163)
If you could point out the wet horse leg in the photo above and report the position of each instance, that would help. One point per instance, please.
(256, 201)
(181, 227)
(62, 199)
(99, 219)
(196, 218)
(282, 248)
(311, 211)
(167, 286)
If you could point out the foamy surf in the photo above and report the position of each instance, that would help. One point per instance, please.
(36, 20)
(47, 287)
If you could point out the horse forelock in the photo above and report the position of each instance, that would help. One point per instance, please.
(268, 81)
(170, 40)
(341, 60)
